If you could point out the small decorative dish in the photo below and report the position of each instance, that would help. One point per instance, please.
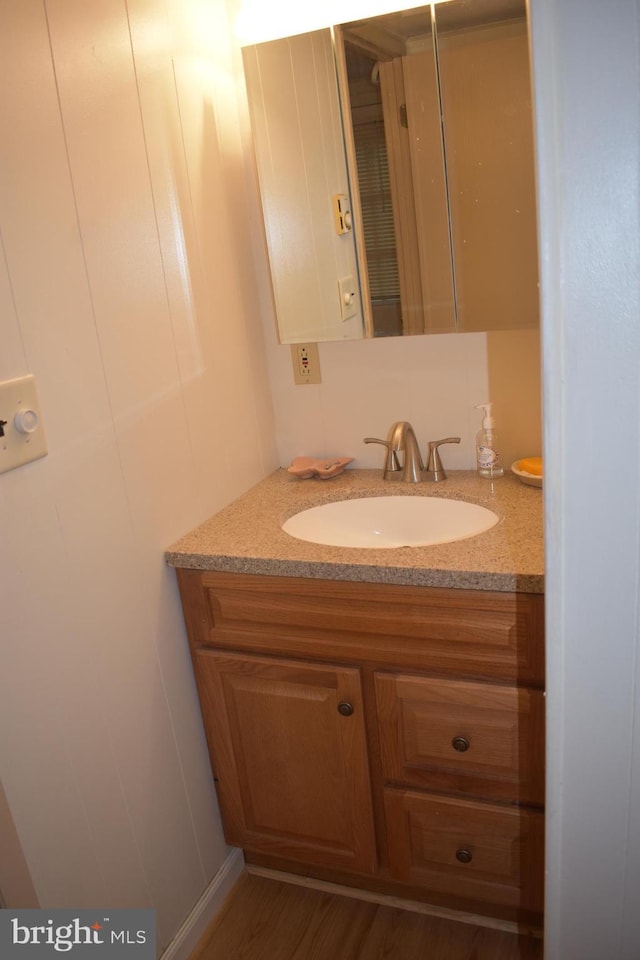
(306, 467)
(534, 479)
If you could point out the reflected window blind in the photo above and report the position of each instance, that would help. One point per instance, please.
(377, 210)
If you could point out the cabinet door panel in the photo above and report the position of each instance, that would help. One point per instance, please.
(478, 737)
(292, 770)
(475, 851)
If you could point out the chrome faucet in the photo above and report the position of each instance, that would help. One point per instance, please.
(403, 460)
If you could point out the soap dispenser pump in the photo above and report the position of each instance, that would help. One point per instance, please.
(488, 458)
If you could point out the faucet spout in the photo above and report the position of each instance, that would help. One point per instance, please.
(403, 454)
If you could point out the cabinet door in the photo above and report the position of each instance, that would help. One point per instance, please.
(289, 752)
(452, 735)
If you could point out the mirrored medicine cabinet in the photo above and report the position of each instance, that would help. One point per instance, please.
(396, 170)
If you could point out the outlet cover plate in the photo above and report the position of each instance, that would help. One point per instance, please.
(306, 363)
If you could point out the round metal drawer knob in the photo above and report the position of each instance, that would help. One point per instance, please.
(345, 708)
(461, 744)
(464, 855)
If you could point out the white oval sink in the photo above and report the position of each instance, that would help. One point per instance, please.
(399, 521)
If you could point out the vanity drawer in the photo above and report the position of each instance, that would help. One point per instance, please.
(458, 736)
(473, 632)
(473, 851)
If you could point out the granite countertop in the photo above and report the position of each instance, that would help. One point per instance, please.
(246, 536)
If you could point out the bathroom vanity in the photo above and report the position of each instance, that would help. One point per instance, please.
(375, 717)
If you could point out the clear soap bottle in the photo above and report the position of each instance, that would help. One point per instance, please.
(488, 459)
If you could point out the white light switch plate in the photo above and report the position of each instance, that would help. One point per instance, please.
(21, 424)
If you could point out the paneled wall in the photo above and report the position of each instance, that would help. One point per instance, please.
(127, 287)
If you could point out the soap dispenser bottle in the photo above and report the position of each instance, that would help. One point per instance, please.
(488, 458)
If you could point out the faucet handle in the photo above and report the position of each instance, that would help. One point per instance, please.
(391, 463)
(434, 469)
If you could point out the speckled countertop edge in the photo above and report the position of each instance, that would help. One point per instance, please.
(246, 536)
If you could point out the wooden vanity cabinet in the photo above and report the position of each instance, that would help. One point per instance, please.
(385, 737)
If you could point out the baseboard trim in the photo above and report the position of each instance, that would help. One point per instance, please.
(206, 909)
(387, 900)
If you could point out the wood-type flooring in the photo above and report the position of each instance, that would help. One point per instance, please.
(265, 919)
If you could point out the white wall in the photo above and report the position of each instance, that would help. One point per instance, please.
(127, 288)
(433, 381)
(587, 84)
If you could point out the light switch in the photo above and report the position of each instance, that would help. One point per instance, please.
(347, 292)
(341, 213)
(22, 436)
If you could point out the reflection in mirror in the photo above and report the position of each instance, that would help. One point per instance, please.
(302, 170)
(483, 57)
(397, 139)
(441, 128)
(431, 163)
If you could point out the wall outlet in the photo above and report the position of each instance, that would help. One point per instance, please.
(306, 363)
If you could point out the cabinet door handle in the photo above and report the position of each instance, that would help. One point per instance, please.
(345, 708)
(464, 855)
(461, 744)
